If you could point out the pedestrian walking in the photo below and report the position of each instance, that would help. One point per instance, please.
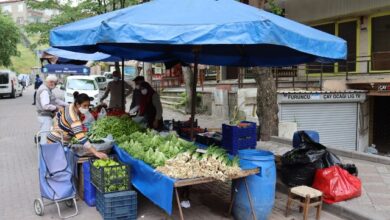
(47, 105)
(37, 84)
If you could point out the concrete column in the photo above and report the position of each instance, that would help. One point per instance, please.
(363, 46)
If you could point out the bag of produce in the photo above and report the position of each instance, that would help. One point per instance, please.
(104, 144)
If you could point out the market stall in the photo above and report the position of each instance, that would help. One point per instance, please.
(232, 34)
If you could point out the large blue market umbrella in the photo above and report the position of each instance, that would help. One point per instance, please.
(230, 33)
(215, 32)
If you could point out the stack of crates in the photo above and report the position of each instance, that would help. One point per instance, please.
(235, 138)
(114, 197)
(89, 188)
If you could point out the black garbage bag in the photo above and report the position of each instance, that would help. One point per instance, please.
(302, 156)
(297, 175)
(330, 159)
(351, 168)
(300, 164)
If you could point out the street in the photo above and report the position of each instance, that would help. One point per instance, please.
(19, 181)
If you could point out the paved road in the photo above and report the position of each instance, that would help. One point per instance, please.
(19, 182)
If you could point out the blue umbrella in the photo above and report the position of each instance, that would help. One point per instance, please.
(215, 32)
(229, 33)
(81, 56)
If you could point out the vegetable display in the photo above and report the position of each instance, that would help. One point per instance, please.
(215, 163)
(169, 154)
(117, 126)
(115, 175)
(153, 149)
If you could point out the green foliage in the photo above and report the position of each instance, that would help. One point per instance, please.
(10, 37)
(273, 7)
(69, 13)
(25, 60)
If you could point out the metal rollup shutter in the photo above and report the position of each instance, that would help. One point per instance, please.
(335, 122)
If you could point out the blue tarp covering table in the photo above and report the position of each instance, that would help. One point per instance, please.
(146, 180)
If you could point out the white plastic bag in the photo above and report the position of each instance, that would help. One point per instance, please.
(88, 120)
(102, 113)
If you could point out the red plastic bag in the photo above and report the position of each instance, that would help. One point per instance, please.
(337, 184)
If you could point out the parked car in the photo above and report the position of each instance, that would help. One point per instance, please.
(9, 84)
(108, 76)
(101, 81)
(81, 84)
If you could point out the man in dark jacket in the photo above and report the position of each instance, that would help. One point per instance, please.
(135, 101)
(37, 84)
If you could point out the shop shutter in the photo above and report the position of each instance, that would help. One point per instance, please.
(335, 122)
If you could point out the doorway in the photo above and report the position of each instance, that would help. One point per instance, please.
(381, 124)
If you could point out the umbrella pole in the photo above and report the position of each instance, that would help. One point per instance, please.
(123, 85)
(196, 51)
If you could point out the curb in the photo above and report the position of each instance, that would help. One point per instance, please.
(334, 209)
(345, 153)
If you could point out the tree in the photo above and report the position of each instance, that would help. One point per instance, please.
(10, 37)
(267, 105)
(69, 13)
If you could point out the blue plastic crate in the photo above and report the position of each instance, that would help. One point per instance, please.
(89, 188)
(235, 138)
(119, 205)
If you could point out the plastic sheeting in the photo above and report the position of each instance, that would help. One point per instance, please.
(81, 56)
(231, 33)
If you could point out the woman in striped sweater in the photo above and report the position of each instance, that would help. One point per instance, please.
(67, 122)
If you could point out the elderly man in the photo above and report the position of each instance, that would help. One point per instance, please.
(47, 104)
(114, 88)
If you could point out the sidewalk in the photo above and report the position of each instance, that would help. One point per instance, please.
(374, 203)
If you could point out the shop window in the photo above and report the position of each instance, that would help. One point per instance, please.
(380, 45)
(326, 67)
(347, 31)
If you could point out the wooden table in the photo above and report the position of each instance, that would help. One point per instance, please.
(196, 181)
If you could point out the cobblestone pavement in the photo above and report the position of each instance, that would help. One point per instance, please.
(19, 182)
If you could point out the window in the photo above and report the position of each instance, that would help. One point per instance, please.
(318, 67)
(20, 8)
(81, 84)
(380, 45)
(4, 78)
(7, 8)
(347, 31)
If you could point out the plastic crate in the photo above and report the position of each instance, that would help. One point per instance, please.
(89, 189)
(205, 140)
(119, 205)
(235, 138)
(117, 180)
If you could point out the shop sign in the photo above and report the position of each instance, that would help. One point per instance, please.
(308, 97)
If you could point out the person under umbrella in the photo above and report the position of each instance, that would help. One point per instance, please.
(150, 107)
(114, 88)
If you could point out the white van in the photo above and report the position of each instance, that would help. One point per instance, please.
(81, 84)
(9, 84)
(108, 76)
(101, 81)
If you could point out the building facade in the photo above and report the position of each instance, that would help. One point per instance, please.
(22, 15)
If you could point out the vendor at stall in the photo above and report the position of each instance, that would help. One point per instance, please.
(67, 121)
(150, 108)
(136, 94)
(114, 88)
